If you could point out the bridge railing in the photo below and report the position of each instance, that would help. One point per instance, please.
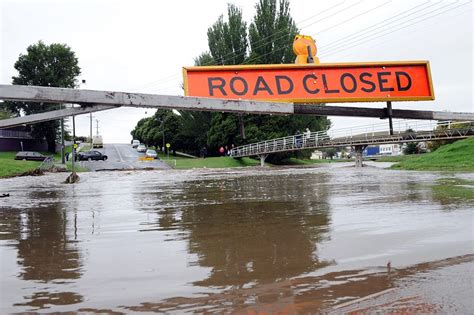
(354, 135)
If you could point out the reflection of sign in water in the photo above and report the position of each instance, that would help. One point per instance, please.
(342, 82)
(168, 145)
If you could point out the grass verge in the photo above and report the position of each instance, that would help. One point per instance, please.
(454, 188)
(458, 156)
(211, 162)
(10, 167)
(295, 161)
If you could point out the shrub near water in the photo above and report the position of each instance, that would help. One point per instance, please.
(458, 156)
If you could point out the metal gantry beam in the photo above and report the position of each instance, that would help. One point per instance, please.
(92, 100)
(93, 97)
(51, 115)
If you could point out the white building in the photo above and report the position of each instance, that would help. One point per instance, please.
(390, 149)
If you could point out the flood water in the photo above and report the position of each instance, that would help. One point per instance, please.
(294, 240)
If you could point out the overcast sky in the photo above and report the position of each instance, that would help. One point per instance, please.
(141, 46)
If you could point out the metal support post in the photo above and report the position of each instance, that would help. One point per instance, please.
(63, 161)
(389, 115)
(73, 143)
(90, 125)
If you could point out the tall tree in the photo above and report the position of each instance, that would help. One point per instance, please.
(52, 65)
(228, 39)
(271, 33)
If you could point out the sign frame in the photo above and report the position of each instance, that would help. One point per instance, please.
(424, 63)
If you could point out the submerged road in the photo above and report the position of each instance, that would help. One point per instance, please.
(122, 157)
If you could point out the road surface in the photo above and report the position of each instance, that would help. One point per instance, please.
(122, 157)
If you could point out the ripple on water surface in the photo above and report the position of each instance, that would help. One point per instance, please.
(294, 240)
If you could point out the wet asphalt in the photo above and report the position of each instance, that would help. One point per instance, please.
(122, 157)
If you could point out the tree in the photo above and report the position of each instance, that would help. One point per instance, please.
(228, 40)
(271, 36)
(4, 112)
(52, 65)
(271, 33)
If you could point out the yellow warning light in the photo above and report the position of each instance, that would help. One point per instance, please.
(305, 49)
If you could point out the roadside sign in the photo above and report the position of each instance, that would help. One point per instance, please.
(315, 83)
(75, 146)
(168, 145)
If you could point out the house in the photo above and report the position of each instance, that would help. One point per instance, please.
(20, 138)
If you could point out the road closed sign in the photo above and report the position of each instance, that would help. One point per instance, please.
(322, 83)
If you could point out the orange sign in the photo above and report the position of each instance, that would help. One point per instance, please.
(322, 83)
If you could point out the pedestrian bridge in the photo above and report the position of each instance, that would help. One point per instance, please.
(359, 138)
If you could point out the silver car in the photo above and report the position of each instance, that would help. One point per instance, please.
(141, 148)
(151, 154)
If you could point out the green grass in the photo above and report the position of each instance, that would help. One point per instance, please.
(211, 162)
(458, 156)
(10, 167)
(295, 161)
(454, 188)
(396, 158)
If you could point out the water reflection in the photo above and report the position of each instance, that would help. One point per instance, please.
(45, 251)
(247, 232)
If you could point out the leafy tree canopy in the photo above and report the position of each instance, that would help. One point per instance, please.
(268, 39)
(53, 65)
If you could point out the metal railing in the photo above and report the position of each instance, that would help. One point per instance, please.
(364, 135)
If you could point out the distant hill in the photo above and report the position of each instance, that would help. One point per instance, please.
(458, 156)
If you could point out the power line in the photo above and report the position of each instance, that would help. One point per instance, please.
(416, 31)
(171, 77)
(383, 27)
(397, 29)
(361, 32)
(366, 12)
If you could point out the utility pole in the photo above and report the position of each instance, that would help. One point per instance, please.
(63, 161)
(97, 127)
(73, 143)
(90, 125)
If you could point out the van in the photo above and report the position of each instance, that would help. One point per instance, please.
(97, 142)
(135, 143)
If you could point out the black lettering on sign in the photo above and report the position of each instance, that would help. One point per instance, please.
(382, 81)
(326, 88)
(372, 85)
(213, 85)
(261, 85)
(244, 85)
(280, 91)
(398, 74)
(343, 82)
(305, 83)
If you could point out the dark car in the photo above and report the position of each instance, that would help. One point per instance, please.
(30, 156)
(91, 156)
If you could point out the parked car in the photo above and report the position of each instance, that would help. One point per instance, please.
(151, 154)
(91, 156)
(30, 156)
(135, 143)
(141, 148)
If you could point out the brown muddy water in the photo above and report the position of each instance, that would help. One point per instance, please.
(325, 239)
